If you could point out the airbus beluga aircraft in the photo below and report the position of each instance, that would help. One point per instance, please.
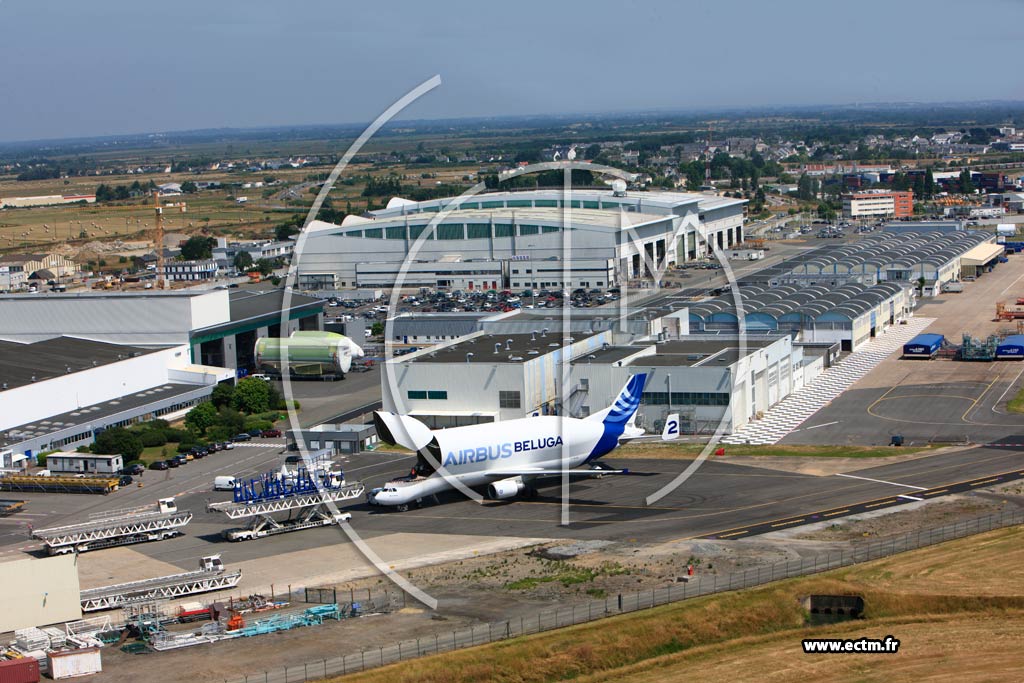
(508, 456)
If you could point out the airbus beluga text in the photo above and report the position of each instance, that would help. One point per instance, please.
(507, 457)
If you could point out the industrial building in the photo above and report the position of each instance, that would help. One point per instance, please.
(333, 438)
(58, 393)
(191, 271)
(518, 240)
(485, 377)
(851, 314)
(219, 326)
(936, 257)
(878, 203)
(225, 252)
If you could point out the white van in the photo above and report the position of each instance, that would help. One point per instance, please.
(224, 484)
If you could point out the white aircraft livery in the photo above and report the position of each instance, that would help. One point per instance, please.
(508, 456)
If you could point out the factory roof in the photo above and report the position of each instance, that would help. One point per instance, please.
(247, 304)
(496, 348)
(83, 418)
(23, 364)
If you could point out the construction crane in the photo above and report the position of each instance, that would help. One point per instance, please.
(158, 208)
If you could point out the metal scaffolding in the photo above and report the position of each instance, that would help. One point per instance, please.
(210, 577)
(132, 526)
(304, 511)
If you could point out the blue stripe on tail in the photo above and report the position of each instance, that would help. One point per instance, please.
(621, 413)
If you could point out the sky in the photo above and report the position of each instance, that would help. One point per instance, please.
(109, 67)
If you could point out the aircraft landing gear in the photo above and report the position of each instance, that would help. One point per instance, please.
(404, 507)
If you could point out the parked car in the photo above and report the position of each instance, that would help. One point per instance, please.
(182, 459)
(125, 480)
(241, 437)
(228, 445)
(254, 432)
(136, 469)
(270, 434)
(173, 462)
(159, 465)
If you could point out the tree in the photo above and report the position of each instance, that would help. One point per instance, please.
(201, 418)
(966, 185)
(265, 266)
(198, 247)
(189, 187)
(243, 261)
(222, 394)
(286, 230)
(251, 396)
(592, 152)
(118, 440)
(377, 329)
(929, 183)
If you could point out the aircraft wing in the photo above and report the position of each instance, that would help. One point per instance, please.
(539, 472)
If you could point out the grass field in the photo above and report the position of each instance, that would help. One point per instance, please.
(1016, 404)
(690, 450)
(957, 608)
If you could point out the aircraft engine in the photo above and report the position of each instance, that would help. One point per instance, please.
(505, 488)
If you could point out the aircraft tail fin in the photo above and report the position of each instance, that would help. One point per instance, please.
(671, 430)
(623, 410)
(402, 430)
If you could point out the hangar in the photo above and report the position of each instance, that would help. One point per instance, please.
(219, 326)
(851, 314)
(516, 240)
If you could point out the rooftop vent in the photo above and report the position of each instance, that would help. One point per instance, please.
(497, 348)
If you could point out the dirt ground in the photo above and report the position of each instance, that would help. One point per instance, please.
(525, 581)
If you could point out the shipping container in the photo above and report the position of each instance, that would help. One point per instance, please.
(23, 670)
(1011, 348)
(71, 663)
(923, 346)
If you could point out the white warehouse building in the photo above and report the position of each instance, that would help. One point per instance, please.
(516, 240)
(704, 378)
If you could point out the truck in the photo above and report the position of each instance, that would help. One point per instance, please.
(116, 527)
(955, 287)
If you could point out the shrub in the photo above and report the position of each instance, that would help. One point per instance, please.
(152, 437)
(256, 423)
(219, 433)
(175, 435)
(118, 440)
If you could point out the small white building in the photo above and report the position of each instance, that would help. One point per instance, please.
(190, 271)
(84, 463)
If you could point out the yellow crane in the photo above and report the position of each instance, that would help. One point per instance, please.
(158, 208)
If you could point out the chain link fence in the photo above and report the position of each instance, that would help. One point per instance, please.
(626, 602)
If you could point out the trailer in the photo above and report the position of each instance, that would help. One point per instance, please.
(9, 507)
(1008, 311)
(118, 527)
(280, 502)
(60, 484)
(211, 576)
(1011, 348)
(923, 346)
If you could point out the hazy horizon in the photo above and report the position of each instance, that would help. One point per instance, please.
(110, 68)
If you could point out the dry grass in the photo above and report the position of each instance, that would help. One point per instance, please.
(948, 629)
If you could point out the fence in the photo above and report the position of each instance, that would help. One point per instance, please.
(627, 602)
